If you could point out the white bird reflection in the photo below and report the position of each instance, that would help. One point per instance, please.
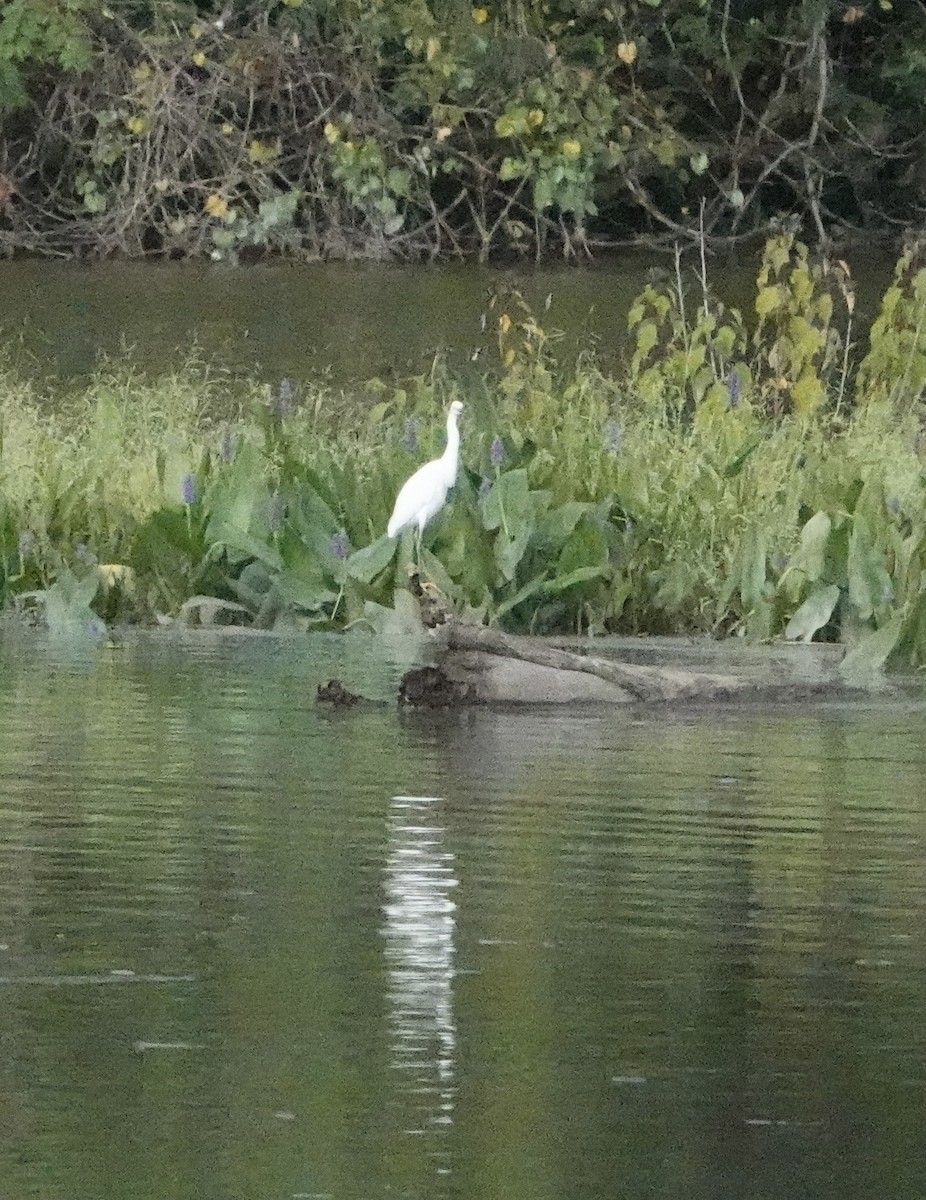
(419, 935)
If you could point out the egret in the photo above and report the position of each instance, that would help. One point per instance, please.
(422, 496)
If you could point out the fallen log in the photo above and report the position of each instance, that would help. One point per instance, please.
(471, 648)
(473, 664)
(480, 665)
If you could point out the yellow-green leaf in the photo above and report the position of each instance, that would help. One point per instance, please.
(807, 394)
(768, 299)
(699, 163)
(647, 335)
(261, 153)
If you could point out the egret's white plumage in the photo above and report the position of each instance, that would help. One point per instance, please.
(422, 496)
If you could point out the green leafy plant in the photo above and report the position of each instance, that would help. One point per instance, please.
(370, 184)
(483, 130)
(795, 338)
(664, 498)
(894, 369)
(33, 34)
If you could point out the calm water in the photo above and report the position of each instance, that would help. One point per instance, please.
(354, 322)
(254, 951)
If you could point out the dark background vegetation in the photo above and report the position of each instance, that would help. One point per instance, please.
(411, 128)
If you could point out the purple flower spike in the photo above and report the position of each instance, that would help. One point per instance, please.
(613, 436)
(733, 389)
(227, 445)
(410, 436)
(340, 545)
(496, 451)
(284, 403)
(188, 489)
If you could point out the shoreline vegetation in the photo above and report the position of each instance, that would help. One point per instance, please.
(764, 482)
(442, 129)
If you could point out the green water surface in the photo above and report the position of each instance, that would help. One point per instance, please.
(253, 950)
(349, 322)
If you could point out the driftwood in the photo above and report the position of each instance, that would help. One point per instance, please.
(480, 665)
(472, 664)
(474, 649)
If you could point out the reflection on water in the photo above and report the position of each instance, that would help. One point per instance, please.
(419, 932)
(281, 320)
(278, 320)
(686, 958)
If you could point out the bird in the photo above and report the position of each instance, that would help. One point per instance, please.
(422, 496)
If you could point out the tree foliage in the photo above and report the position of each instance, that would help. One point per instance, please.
(411, 127)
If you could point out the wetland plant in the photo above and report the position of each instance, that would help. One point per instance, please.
(754, 482)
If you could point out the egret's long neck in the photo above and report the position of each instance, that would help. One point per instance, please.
(451, 455)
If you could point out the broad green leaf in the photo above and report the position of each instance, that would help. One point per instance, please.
(522, 594)
(433, 570)
(725, 340)
(558, 523)
(808, 393)
(367, 563)
(244, 545)
(635, 316)
(512, 168)
(237, 496)
(510, 551)
(579, 575)
(254, 583)
(814, 537)
(314, 521)
(872, 651)
(508, 505)
(306, 592)
(543, 192)
(169, 545)
(813, 614)
(869, 583)
(734, 467)
(300, 562)
(647, 335)
(752, 568)
(586, 548)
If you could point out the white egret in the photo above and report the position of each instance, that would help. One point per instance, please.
(423, 495)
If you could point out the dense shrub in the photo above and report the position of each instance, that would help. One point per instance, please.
(421, 127)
